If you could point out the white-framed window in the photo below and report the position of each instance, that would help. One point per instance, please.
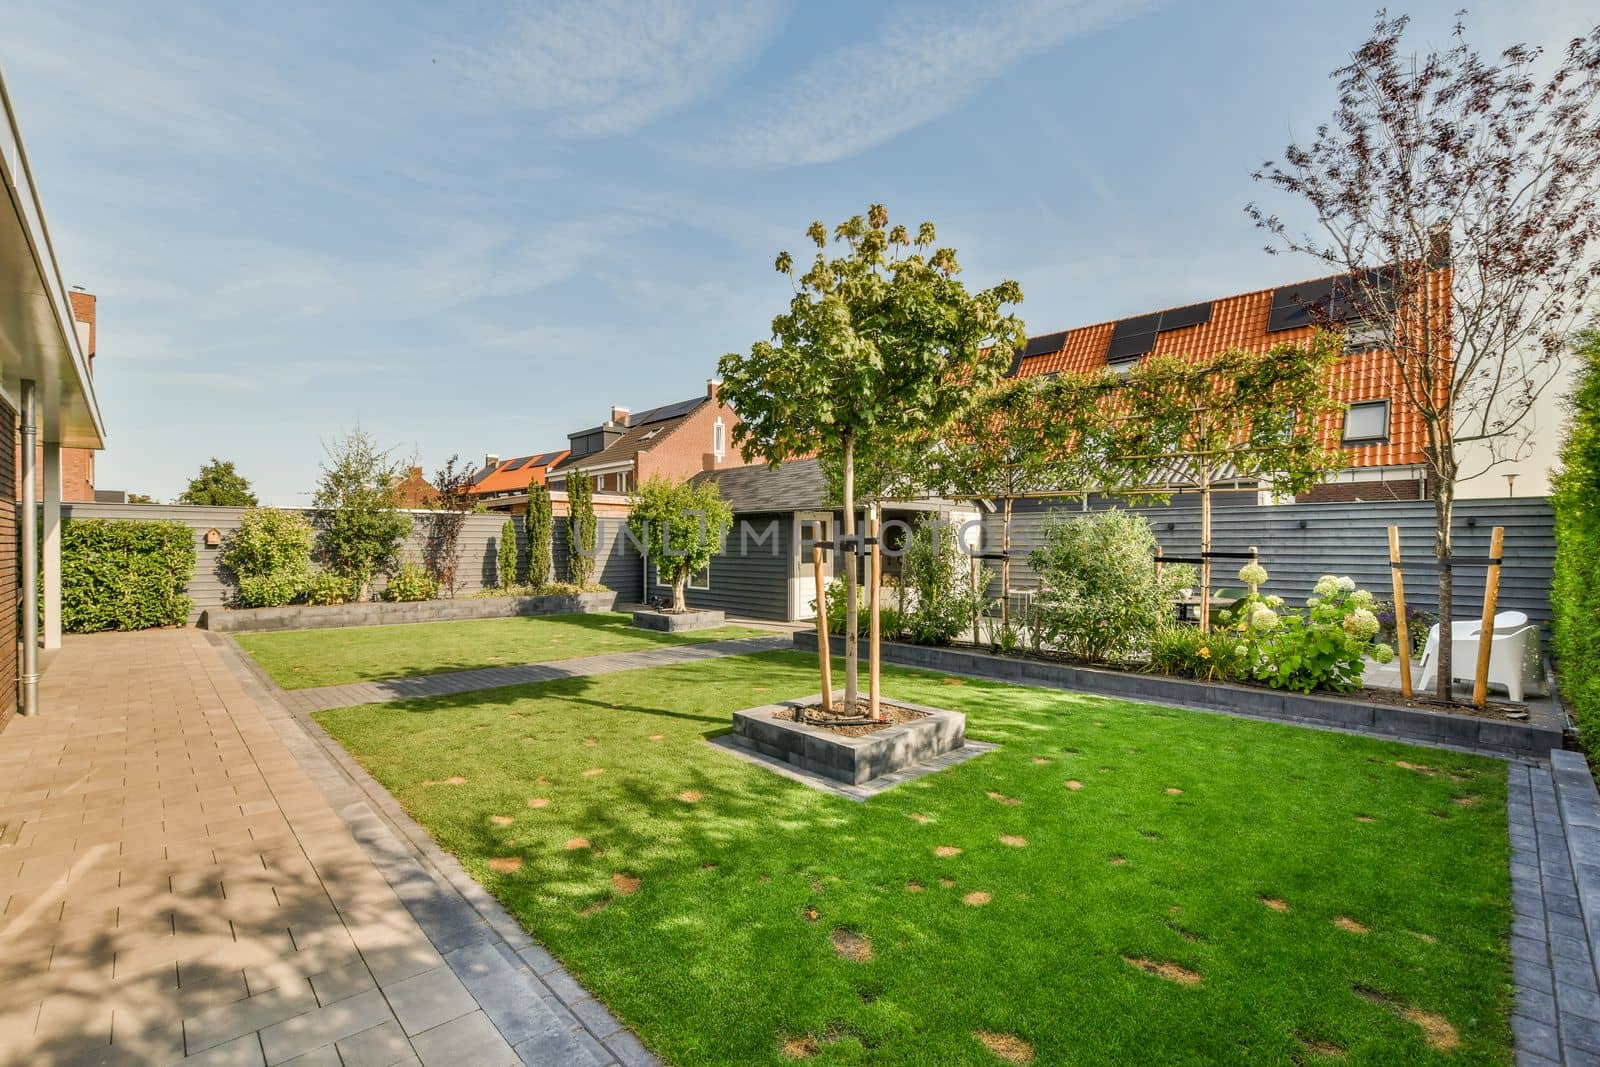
(1366, 422)
(719, 438)
(702, 580)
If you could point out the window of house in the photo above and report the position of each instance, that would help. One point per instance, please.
(702, 580)
(1367, 422)
(622, 481)
(719, 439)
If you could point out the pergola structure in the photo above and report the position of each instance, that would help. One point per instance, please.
(47, 401)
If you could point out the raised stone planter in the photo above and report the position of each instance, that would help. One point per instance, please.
(679, 622)
(383, 613)
(772, 731)
(1348, 713)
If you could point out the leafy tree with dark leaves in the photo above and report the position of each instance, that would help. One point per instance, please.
(219, 485)
(446, 517)
(1457, 196)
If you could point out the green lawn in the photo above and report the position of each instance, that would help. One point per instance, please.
(304, 659)
(722, 950)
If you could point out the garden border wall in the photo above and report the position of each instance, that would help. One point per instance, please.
(384, 613)
(1406, 724)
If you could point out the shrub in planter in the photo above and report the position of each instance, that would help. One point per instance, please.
(326, 587)
(1323, 647)
(411, 583)
(938, 579)
(269, 557)
(1100, 597)
(120, 575)
(891, 620)
(1219, 656)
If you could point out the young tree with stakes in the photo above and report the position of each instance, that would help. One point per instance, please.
(881, 346)
(681, 525)
(1448, 174)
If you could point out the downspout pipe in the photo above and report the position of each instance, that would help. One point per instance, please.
(29, 521)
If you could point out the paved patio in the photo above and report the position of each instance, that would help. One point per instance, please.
(174, 882)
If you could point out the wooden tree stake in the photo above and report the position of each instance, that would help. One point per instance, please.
(1402, 631)
(874, 627)
(824, 648)
(1491, 597)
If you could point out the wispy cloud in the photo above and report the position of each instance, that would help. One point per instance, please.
(594, 68)
(919, 66)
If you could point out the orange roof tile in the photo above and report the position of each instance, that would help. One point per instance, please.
(513, 475)
(1240, 322)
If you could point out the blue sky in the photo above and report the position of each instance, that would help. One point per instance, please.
(474, 227)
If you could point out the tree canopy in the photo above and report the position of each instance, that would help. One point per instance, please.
(681, 526)
(359, 529)
(219, 484)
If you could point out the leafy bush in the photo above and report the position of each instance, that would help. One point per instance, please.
(411, 582)
(1219, 656)
(891, 620)
(359, 529)
(1575, 590)
(269, 557)
(505, 566)
(539, 525)
(938, 580)
(118, 575)
(328, 587)
(1100, 597)
(1323, 647)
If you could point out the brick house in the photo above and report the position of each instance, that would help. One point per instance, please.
(414, 490)
(674, 441)
(1382, 437)
(502, 484)
(77, 464)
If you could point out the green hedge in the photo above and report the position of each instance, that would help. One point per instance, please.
(119, 575)
(1575, 591)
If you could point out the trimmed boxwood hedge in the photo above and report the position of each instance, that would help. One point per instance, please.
(1575, 591)
(124, 575)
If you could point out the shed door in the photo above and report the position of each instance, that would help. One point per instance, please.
(808, 526)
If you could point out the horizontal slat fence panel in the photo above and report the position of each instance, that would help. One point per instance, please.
(1300, 542)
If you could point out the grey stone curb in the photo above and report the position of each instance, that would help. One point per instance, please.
(304, 701)
(384, 613)
(547, 1017)
(1444, 729)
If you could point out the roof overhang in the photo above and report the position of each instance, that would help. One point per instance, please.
(38, 335)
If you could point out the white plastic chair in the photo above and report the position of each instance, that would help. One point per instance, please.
(1513, 653)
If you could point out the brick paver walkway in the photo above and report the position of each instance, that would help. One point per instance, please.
(173, 883)
(303, 701)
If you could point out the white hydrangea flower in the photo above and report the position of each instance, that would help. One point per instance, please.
(1253, 574)
(1274, 601)
(1347, 585)
(1361, 624)
(1327, 585)
(1382, 653)
(1263, 618)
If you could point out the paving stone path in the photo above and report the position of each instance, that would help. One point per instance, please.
(304, 701)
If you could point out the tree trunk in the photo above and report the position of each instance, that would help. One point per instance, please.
(852, 621)
(1005, 568)
(1444, 504)
(679, 603)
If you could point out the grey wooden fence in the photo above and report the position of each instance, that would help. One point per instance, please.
(1300, 542)
(618, 566)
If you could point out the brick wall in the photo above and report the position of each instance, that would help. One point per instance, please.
(1349, 492)
(687, 450)
(9, 577)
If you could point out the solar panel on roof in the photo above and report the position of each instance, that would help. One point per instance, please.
(1178, 318)
(518, 463)
(667, 411)
(1299, 305)
(1045, 344)
(1133, 337)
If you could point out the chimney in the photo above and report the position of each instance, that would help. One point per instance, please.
(712, 385)
(491, 460)
(619, 415)
(416, 472)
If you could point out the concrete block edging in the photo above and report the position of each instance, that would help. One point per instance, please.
(1409, 724)
(384, 613)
